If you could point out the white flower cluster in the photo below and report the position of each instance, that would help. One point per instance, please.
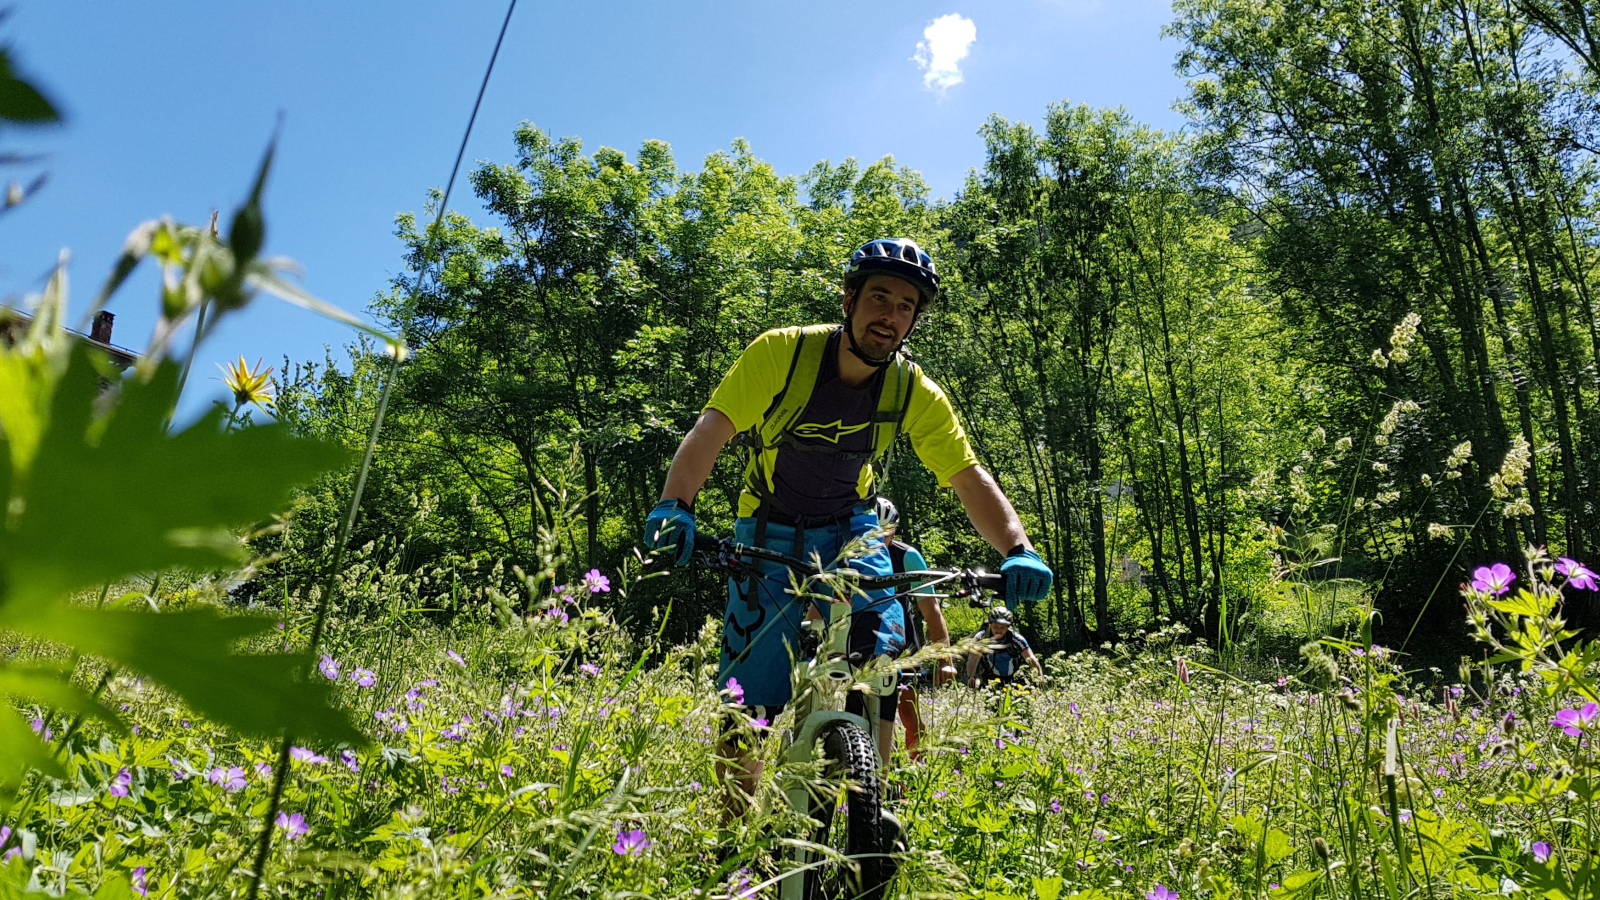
(1457, 458)
(1391, 421)
(1400, 341)
(1507, 484)
(1298, 491)
(1404, 334)
(1437, 531)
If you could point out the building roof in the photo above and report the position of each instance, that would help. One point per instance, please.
(14, 321)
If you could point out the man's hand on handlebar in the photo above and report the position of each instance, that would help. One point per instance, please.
(670, 526)
(1027, 577)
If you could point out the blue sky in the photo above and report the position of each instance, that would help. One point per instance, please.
(170, 104)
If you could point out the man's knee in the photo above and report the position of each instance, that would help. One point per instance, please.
(740, 728)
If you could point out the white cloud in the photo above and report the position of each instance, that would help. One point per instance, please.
(945, 44)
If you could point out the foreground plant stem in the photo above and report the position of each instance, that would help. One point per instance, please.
(281, 773)
(264, 848)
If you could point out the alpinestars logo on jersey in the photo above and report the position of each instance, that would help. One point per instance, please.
(831, 432)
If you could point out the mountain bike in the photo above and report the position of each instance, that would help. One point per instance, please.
(859, 837)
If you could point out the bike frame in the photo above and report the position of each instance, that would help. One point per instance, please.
(830, 669)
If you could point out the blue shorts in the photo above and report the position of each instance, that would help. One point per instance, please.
(761, 627)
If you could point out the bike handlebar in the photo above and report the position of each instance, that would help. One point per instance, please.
(721, 552)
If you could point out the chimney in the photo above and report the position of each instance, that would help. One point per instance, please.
(100, 330)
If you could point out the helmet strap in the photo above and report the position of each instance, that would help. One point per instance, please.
(850, 335)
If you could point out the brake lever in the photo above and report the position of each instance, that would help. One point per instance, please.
(976, 594)
(723, 560)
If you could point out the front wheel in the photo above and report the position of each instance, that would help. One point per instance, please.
(853, 827)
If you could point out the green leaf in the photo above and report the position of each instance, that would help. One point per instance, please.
(192, 652)
(1296, 884)
(1047, 888)
(139, 499)
(1277, 846)
(21, 750)
(105, 497)
(21, 101)
(72, 796)
(52, 685)
(1522, 603)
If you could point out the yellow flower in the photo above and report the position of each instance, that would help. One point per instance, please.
(249, 384)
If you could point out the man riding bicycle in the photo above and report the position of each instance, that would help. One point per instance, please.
(1008, 651)
(817, 408)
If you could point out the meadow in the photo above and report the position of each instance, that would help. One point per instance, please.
(553, 754)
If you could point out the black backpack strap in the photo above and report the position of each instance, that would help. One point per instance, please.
(897, 556)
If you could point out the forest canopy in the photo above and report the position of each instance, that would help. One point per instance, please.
(1339, 336)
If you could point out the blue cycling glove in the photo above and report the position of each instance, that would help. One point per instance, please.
(671, 524)
(1028, 579)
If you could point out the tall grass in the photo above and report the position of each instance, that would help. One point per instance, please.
(521, 749)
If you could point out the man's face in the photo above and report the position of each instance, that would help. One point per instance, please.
(885, 310)
(999, 629)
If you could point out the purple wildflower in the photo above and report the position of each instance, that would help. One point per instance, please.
(39, 728)
(1572, 721)
(348, 757)
(119, 784)
(329, 667)
(1541, 851)
(1161, 893)
(231, 778)
(506, 770)
(363, 677)
(589, 669)
(307, 756)
(1578, 575)
(263, 768)
(1495, 579)
(735, 690)
(294, 824)
(14, 852)
(596, 583)
(630, 842)
(139, 886)
(456, 658)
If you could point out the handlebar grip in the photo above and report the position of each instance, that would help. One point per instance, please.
(708, 543)
(992, 581)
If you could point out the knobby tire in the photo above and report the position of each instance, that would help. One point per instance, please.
(852, 761)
